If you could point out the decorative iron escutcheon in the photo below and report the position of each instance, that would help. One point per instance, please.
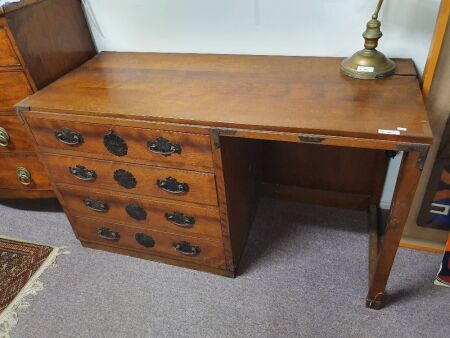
(125, 179)
(69, 137)
(163, 147)
(180, 219)
(145, 240)
(115, 144)
(82, 173)
(311, 139)
(96, 205)
(108, 234)
(171, 185)
(136, 211)
(186, 248)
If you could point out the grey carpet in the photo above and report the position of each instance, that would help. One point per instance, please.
(303, 275)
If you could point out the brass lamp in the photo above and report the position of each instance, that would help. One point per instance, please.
(369, 63)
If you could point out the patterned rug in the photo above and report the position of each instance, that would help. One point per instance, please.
(21, 264)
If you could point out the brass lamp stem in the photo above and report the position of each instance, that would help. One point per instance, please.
(377, 10)
(369, 63)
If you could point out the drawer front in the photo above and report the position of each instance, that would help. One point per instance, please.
(14, 87)
(13, 136)
(151, 242)
(182, 185)
(7, 55)
(149, 213)
(125, 143)
(33, 177)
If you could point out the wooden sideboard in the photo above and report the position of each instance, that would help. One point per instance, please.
(40, 40)
(164, 156)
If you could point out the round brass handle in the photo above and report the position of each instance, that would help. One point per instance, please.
(4, 137)
(23, 175)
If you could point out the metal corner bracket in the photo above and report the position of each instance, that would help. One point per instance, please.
(216, 133)
(422, 149)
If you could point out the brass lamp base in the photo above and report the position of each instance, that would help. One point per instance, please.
(368, 64)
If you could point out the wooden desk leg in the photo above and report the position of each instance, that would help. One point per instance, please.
(405, 189)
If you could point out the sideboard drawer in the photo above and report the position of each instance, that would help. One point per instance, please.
(123, 143)
(14, 87)
(210, 253)
(149, 213)
(182, 185)
(7, 55)
(13, 136)
(23, 172)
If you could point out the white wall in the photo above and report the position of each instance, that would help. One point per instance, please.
(283, 27)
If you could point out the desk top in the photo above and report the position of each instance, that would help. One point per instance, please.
(267, 93)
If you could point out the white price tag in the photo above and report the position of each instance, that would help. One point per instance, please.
(365, 69)
(388, 132)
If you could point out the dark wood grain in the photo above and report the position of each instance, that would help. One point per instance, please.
(15, 87)
(403, 196)
(52, 37)
(195, 149)
(7, 55)
(289, 94)
(206, 224)
(19, 139)
(202, 187)
(211, 253)
(8, 176)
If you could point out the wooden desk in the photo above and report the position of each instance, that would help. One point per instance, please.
(163, 156)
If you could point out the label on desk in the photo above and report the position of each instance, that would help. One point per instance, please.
(388, 132)
(365, 69)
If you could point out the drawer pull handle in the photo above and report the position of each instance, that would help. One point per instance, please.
(125, 179)
(180, 219)
(96, 205)
(115, 144)
(69, 137)
(163, 147)
(4, 137)
(82, 173)
(171, 185)
(145, 240)
(186, 248)
(136, 211)
(108, 234)
(23, 176)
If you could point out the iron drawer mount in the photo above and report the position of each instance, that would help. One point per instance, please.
(115, 144)
(96, 205)
(82, 173)
(180, 219)
(163, 147)
(136, 211)
(125, 179)
(186, 248)
(145, 240)
(108, 234)
(171, 185)
(69, 137)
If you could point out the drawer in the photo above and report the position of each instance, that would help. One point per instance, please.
(128, 144)
(9, 176)
(151, 242)
(188, 186)
(13, 136)
(149, 213)
(14, 87)
(7, 55)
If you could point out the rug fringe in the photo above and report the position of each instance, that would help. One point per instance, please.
(9, 317)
